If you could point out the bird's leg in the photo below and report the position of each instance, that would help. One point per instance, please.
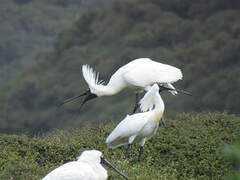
(163, 122)
(140, 153)
(126, 153)
(136, 103)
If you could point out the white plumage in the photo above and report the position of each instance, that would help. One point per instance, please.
(139, 73)
(86, 167)
(139, 126)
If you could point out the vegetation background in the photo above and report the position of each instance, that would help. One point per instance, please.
(44, 43)
(191, 147)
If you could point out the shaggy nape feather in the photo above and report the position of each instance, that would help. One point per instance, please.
(90, 76)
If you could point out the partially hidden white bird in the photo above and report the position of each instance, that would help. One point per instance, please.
(140, 126)
(86, 167)
(138, 74)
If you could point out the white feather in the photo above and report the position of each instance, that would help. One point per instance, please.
(139, 73)
(87, 167)
(147, 102)
(90, 76)
(139, 126)
(144, 72)
(131, 125)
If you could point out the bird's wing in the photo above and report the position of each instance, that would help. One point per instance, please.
(129, 126)
(148, 72)
(71, 171)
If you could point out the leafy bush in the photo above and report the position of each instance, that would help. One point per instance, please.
(189, 148)
(232, 152)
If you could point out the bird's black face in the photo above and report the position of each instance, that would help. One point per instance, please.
(162, 88)
(108, 164)
(88, 97)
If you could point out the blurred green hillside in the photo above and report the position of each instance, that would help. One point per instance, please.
(189, 148)
(202, 38)
(27, 27)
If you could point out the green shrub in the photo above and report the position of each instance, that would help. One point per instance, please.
(232, 152)
(189, 148)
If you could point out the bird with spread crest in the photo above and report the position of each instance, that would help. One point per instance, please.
(139, 74)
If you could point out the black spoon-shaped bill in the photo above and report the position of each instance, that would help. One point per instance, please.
(162, 88)
(72, 98)
(88, 97)
(108, 164)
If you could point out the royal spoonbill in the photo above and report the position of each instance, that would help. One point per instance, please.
(139, 126)
(86, 167)
(138, 74)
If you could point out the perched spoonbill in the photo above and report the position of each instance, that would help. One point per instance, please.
(87, 167)
(139, 126)
(138, 74)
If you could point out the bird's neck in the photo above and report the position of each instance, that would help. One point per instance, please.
(158, 102)
(107, 90)
(99, 171)
(159, 108)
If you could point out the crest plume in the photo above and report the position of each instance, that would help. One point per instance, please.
(147, 102)
(90, 76)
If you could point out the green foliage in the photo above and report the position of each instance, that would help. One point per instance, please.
(189, 148)
(232, 152)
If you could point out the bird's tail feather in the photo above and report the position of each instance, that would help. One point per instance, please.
(117, 142)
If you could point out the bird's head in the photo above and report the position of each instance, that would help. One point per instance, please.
(88, 96)
(163, 88)
(95, 156)
(90, 156)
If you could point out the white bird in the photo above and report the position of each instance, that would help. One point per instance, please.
(138, 74)
(86, 167)
(139, 126)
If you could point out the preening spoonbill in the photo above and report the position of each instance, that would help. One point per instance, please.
(139, 126)
(138, 74)
(86, 167)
